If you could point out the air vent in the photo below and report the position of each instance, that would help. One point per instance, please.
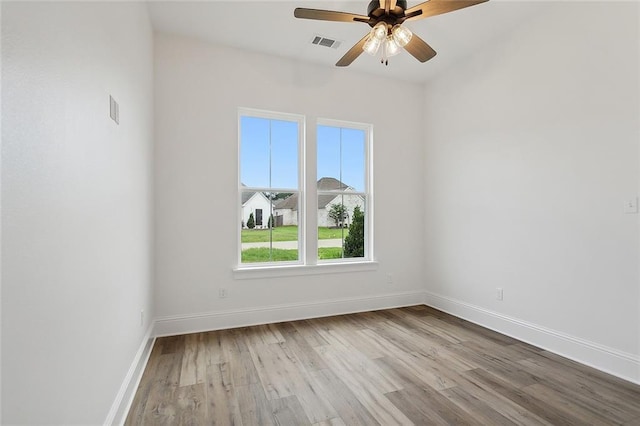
(326, 42)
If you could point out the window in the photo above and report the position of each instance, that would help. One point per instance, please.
(270, 147)
(273, 198)
(342, 167)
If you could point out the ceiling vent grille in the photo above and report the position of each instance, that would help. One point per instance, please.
(326, 42)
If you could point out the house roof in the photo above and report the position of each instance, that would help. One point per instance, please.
(246, 196)
(329, 184)
(291, 202)
(324, 184)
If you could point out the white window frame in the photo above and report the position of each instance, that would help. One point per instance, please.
(368, 189)
(282, 116)
(308, 262)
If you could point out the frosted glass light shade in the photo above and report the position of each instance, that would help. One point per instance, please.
(372, 45)
(401, 35)
(391, 48)
(379, 31)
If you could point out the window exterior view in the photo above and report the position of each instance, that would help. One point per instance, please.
(270, 146)
(272, 201)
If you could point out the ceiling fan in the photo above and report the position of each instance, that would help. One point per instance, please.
(387, 35)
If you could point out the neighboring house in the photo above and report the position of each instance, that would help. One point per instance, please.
(259, 205)
(287, 209)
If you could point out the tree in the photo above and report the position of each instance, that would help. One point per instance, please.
(270, 223)
(277, 195)
(338, 213)
(251, 223)
(354, 242)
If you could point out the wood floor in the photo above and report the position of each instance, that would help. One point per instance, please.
(413, 365)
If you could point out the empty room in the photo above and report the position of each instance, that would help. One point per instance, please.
(320, 212)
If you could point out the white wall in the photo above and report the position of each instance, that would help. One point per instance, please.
(76, 213)
(531, 151)
(199, 88)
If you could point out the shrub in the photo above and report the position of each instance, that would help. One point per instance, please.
(354, 242)
(251, 223)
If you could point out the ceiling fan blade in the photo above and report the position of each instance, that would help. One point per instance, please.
(437, 7)
(328, 15)
(419, 49)
(353, 53)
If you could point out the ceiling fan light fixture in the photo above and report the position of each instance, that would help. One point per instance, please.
(372, 45)
(377, 37)
(379, 31)
(391, 48)
(401, 35)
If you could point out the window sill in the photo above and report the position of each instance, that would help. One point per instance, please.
(248, 273)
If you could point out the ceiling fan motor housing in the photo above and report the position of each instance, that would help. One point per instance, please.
(377, 13)
(375, 5)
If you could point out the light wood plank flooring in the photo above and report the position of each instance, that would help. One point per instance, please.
(412, 365)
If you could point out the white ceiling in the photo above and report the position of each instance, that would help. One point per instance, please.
(269, 27)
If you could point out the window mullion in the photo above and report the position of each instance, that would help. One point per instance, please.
(311, 189)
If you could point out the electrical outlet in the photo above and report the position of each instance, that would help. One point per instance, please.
(499, 294)
(389, 278)
(631, 206)
(222, 293)
(142, 317)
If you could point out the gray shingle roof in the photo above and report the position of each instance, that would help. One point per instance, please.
(324, 184)
(329, 184)
(246, 196)
(291, 202)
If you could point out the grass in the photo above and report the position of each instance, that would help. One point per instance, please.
(255, 255)
(281, 233)
(331, 233)
(261, 254)
(330, 252)
(288, 233)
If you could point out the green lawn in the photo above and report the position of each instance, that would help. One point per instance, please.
(331, 233)
(254, 255)
(261, 254)
(288, 233)
(330, 252)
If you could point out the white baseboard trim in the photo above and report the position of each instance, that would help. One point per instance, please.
(120, 407)
(609, 360)
(206, 321)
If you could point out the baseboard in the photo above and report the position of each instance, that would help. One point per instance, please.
(609, 360)
(120, 407)
(183, 324)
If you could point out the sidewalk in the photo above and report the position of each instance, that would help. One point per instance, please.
(292, 245)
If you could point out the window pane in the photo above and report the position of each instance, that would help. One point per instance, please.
(342, 170)
(341, 158)
(254, 152)
(328, 142)
(338, 216)
(268, 153)
(353, 158)
(276, 238)
(284, 154)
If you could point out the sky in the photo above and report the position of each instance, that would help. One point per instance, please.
(269, 152)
